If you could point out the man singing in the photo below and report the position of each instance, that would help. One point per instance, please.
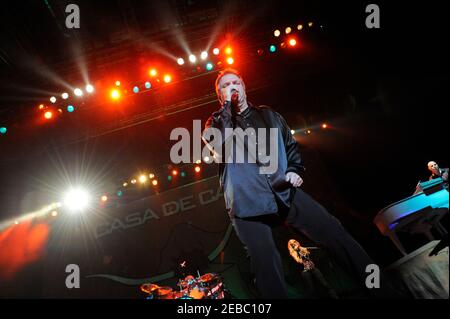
(254, 198)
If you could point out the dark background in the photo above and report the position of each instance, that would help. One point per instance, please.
(384, 93)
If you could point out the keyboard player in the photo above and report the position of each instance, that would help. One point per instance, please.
(437, 172)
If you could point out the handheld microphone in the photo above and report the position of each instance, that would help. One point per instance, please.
(234, 96)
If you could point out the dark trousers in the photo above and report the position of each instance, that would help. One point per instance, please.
(313, 220)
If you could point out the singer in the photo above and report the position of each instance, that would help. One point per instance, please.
(257, 202)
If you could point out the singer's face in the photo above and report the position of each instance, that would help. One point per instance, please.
(233, 82)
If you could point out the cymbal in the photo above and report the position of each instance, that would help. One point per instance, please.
(208, 277)
(149, 288)
(161, 291)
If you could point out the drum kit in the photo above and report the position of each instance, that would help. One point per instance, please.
(208, 286)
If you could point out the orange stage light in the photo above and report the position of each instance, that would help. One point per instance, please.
(154, 182)
(48, 115)
(115, 94)
(292, 42)
(197, 169)
(167, 78)
(153, 72)
(324, 125)
(228, 50)
(230, 60)
(174, 172)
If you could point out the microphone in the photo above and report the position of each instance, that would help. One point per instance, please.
(234, 96)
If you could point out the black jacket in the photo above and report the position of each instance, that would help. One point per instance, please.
(247, 191)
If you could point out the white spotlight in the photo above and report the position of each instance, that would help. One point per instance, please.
(203, 55)
(216, 51)
(53, 99)
(76, 199)
(192, 58)
(180, 61)
(78, 92)
(65, 95)
(142, 179)
(89, 88)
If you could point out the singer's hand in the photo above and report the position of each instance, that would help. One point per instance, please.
(294, 179)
